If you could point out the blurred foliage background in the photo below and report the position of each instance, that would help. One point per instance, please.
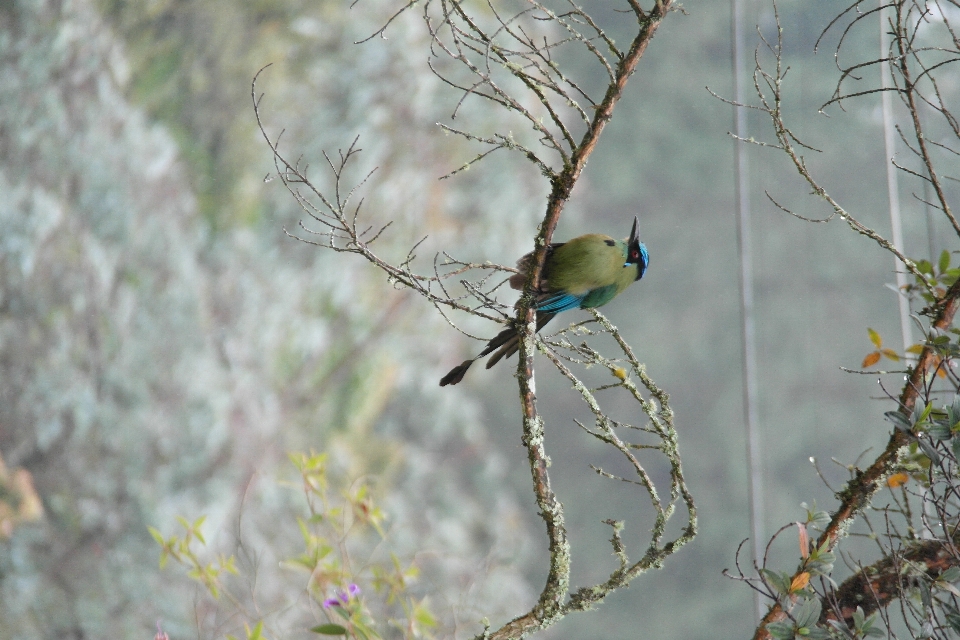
(163, 344)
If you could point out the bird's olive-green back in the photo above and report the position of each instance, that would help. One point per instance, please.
(591, 263)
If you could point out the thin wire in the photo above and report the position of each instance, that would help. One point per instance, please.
(747, 330)
(893, 191)
(931, 225)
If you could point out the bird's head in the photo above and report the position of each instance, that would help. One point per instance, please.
(636, 251)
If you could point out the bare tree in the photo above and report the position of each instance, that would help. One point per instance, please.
(508, 56)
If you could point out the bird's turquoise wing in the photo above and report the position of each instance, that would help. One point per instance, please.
(560, 301)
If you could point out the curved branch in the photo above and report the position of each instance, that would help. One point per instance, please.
(876, 586)
(859, 491)
(550, 603)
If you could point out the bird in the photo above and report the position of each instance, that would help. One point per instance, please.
(583, 273)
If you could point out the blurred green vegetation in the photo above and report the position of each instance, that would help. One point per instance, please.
(164, 345)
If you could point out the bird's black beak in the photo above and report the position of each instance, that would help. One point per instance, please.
(634, 232)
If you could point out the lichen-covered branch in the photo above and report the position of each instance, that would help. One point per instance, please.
(506, 54)
(657, 409)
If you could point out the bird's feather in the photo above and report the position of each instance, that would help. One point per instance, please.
(559, 302)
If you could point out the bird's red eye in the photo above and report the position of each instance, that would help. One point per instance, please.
(634, 254)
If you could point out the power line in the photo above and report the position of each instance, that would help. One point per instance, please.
(747, 327)
(893, 191)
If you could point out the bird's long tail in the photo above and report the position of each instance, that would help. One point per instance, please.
(505, 344)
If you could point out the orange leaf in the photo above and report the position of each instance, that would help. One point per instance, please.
(799, 582)
(890, 353)
(871, 359)
(897, 479)
(938, 365)
(804, 540)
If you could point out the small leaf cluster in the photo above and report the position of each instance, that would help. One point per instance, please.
(944, 350)
(863, 626)
(815, 518)
(927, 425)
(927, 590)
(873, 357)
(343, 521)
(804, 614)
(251, 633)
(183, 550)
(341, 524)
(937, 278)
(802, 624)
(347, 608)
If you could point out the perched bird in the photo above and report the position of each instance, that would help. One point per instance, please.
(586, 272)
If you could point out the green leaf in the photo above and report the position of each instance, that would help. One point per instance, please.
(925, 598)
(779, 581)
(899, 420)
(330, 630)
(821, 560)
(839, 626)
(951, 575)
(156, 535)
(929, 451)
(817, 633)
(939, 431)
(891, 354)
(944, 262)
(924, 266)
(875, 338)
(953, 619)
(365, 632)
(256, 632)
(819, 519)
(807, 613)
(423, 616)
(781, 630)
(858, 618)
